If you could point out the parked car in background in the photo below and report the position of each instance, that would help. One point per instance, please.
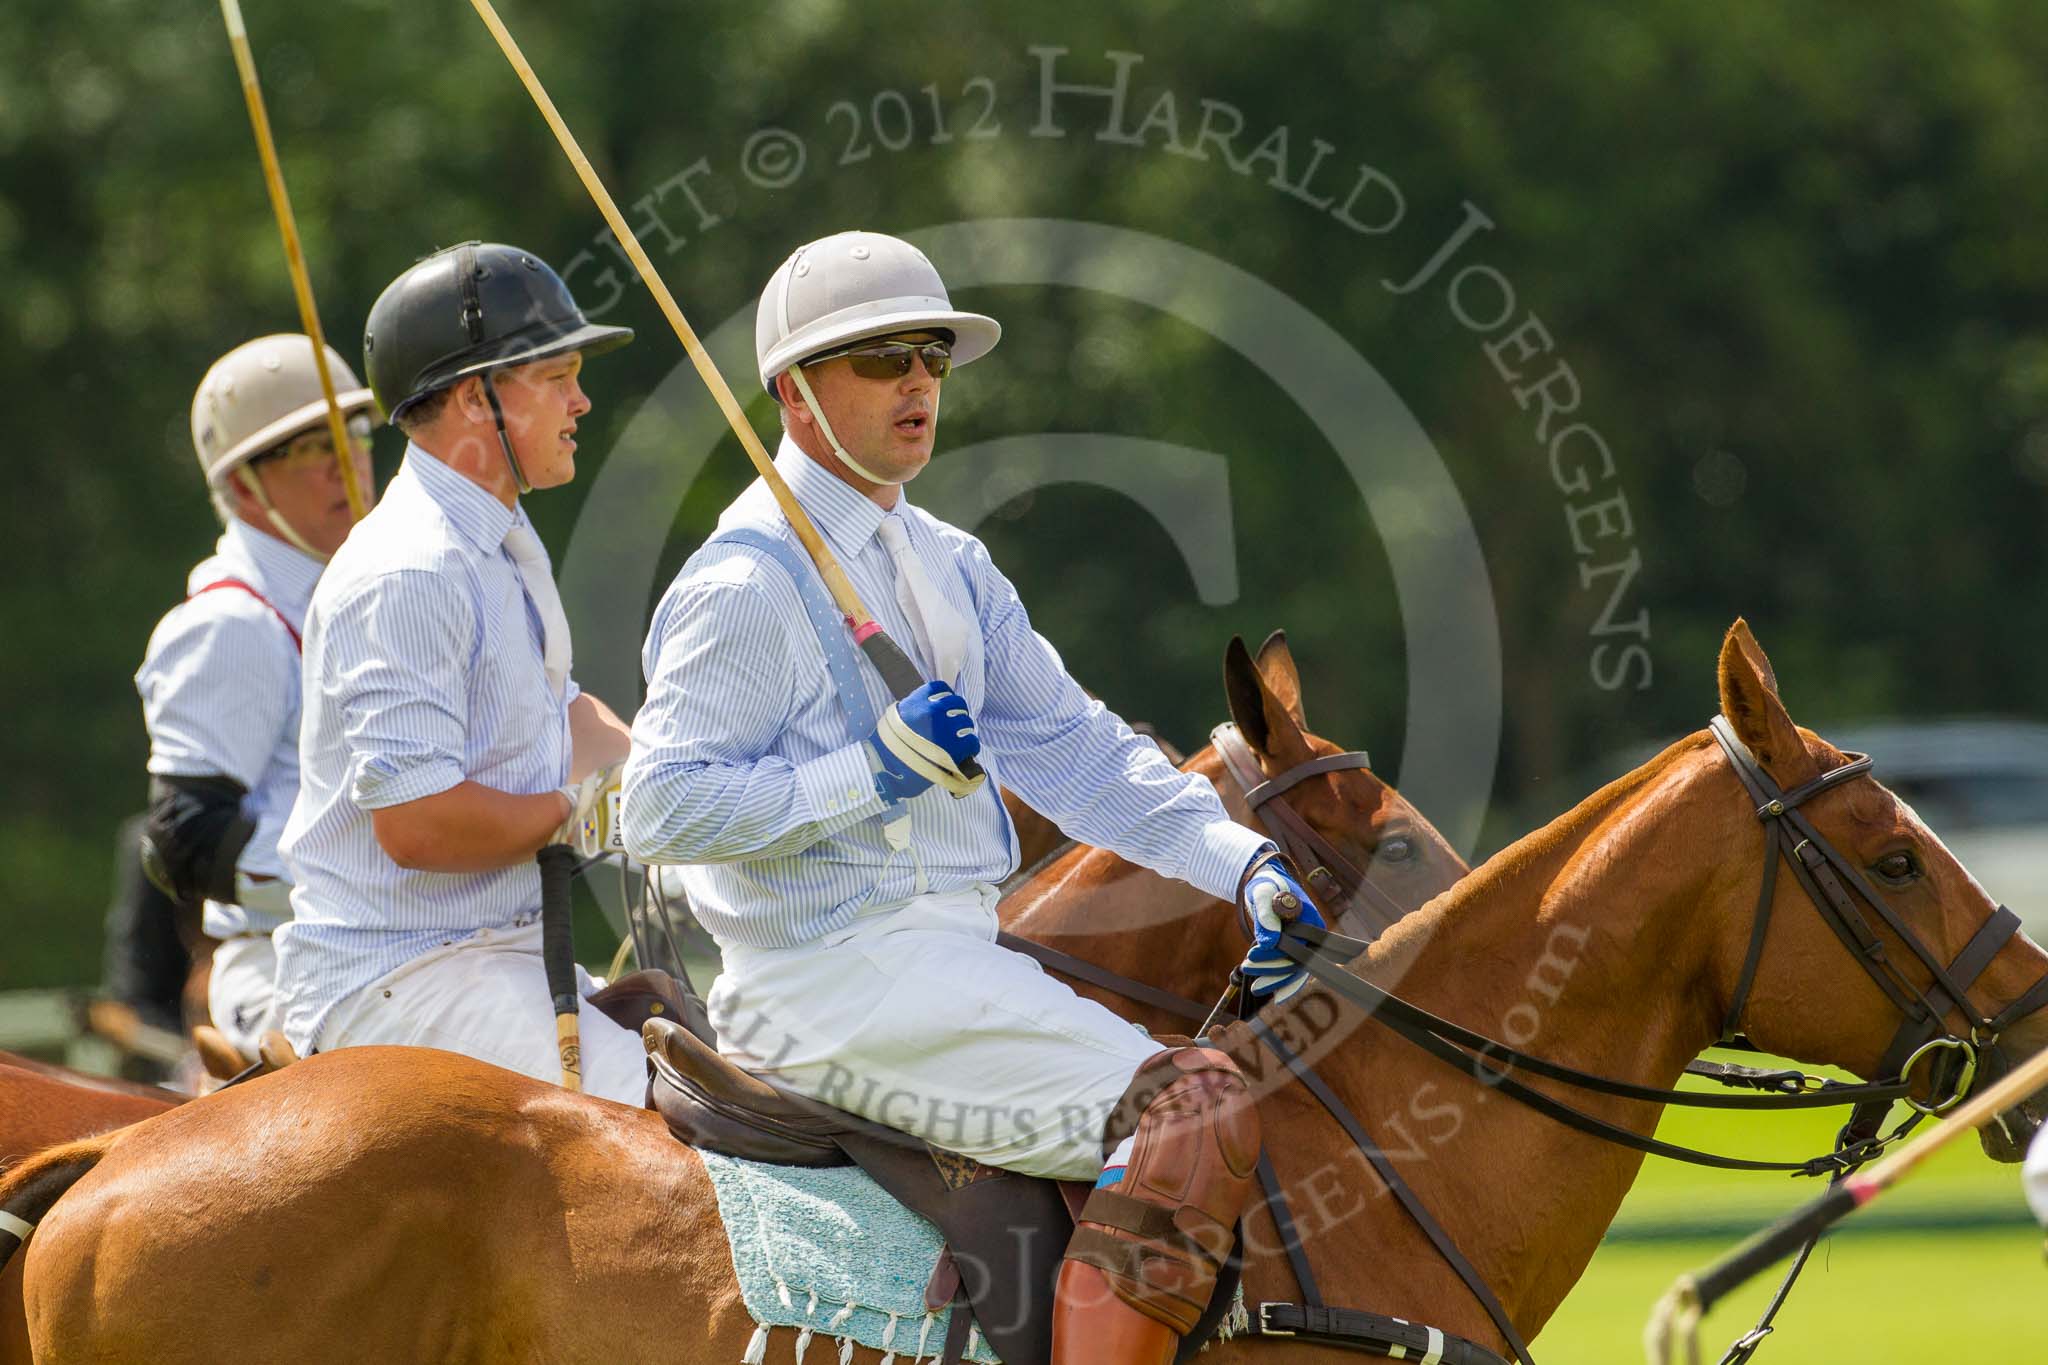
(1982, 785)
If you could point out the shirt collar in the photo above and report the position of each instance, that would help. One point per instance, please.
(285, 574)
(476, 513)
(845, 514)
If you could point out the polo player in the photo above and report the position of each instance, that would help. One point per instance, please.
(441, 719)
(220, 680)
(845, 856)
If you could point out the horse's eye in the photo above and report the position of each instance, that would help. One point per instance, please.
(1396, 848)
(1897, 868)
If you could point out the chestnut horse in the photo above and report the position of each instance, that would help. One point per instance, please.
(341, 1197)
(41, 1104)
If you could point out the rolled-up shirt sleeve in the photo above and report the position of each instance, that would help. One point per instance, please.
(1077, 762)
(399, 648)
(701, 786)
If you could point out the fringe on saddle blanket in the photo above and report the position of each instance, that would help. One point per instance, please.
(826, 1254)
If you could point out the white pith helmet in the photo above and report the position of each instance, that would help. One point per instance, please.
(261, 393)
(852, 285)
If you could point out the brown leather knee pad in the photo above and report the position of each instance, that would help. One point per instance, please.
(1162, 1234)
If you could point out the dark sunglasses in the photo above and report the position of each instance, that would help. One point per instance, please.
(891, 359)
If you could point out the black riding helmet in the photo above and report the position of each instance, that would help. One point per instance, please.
(471, 309)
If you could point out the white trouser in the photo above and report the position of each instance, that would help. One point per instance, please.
(241, 990)
(915, 1017)
(487, 997)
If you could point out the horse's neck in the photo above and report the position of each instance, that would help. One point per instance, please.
(1574, 945)
(1153, 929)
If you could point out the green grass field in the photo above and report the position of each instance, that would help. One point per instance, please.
(1946, 1267)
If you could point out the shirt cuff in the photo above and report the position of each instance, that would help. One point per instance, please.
(1225, 850)
(838, 784)
(378, 784)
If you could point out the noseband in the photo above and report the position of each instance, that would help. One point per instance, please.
(1834, 885)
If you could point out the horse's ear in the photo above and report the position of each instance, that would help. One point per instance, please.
(1259, 713)
(1283, 680)
(1749, 699)
(1242, 685)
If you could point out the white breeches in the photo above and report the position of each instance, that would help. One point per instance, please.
(914, 1017)
(487, 997)
(241, 990)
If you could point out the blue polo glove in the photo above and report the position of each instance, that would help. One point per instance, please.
(1273, 899)
(922, 740)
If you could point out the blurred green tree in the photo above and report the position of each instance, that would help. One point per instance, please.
(1789, 255)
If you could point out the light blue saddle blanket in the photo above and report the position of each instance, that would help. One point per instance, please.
(825, 1253)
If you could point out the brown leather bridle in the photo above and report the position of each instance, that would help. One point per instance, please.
(1333, 879)
(1834, 885)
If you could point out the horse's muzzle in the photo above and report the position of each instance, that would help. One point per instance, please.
(2006, 1137)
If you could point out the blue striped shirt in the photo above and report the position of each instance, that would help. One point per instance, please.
(423, 670)
(220, 695)
(742, 765)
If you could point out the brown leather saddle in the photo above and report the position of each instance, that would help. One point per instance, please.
(1005, 1233)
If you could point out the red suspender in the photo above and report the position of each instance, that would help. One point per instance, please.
(240, 586)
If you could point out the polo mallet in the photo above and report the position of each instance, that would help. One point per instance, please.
(899, 674)
(558, 955)
(1674, 1323)
(294, 256)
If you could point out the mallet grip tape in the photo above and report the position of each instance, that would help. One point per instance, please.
(899, 674)
(558, 955)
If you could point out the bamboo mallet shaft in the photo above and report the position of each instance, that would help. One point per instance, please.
(294, 255)
(1692, 1295)
(828, 565)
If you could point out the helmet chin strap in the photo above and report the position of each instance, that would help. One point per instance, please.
(803, 386)
(504, 439)
(254, 486)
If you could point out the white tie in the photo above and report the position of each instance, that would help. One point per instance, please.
(526, 551)
(940, 630)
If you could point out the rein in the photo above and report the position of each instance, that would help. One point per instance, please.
(1449, 1042)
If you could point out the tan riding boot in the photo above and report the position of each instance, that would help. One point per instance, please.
(1142, 1265)
(1091, 1324)
(222, 1059)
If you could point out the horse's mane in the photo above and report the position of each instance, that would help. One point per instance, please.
(1542, 846)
